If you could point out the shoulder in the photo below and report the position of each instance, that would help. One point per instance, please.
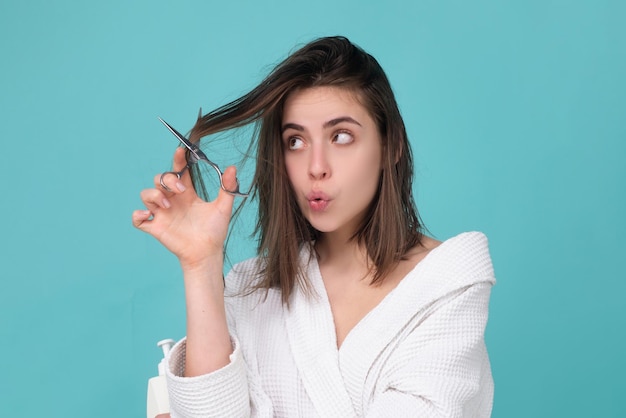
(247, 299)
(450, 266)
(244, 276)
(457, 262)
(248, 274)
(468, 252)
(457, 266)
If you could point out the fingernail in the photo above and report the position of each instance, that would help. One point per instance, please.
(180, 186)
(166, 203)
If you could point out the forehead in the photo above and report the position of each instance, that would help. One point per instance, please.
(323, 103)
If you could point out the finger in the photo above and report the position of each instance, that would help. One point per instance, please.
(169, 183)
(154, 200)
(140, 217)
(177, 180)
(180, 159)
(179, 163)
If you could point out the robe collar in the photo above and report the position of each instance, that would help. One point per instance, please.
(337, 380)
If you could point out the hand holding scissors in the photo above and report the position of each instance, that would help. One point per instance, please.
(191, 228)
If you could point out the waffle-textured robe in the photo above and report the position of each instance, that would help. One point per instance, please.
(419, 353)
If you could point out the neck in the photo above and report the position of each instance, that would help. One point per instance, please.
(341, 252)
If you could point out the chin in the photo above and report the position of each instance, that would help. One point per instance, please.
(321, 226)
(322, 229)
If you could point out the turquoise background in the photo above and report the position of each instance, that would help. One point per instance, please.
(516, 110)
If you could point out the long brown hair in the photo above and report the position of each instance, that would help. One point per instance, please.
(391, 226)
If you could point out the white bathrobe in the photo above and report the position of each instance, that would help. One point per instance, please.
(419, 353)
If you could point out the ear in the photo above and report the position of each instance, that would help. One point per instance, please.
(398, 153)
(386, 154)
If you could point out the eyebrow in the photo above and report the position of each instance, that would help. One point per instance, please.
(328, 124)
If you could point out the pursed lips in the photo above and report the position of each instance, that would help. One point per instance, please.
(318, 201)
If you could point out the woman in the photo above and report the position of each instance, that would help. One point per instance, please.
(349, 310)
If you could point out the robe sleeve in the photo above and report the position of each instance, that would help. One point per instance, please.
(232, 391)
(223, 392)
(441, 369)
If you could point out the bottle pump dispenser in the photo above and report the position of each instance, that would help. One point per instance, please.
(158, 401)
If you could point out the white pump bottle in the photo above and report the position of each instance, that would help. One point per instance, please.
(158, 401)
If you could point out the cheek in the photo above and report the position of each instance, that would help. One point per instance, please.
(368, 168)
(371, 174)
(289, 168)
(293, 170)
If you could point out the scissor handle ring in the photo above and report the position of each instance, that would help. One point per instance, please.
(178, 174)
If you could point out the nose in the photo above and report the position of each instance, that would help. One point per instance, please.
(319, 165)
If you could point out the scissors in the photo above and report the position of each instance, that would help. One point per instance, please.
(194, 155)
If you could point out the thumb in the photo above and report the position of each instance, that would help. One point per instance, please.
(224, 199)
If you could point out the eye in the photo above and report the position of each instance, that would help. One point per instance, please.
(294, 143)
(343, 137)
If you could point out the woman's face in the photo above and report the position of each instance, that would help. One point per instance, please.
(333, 157)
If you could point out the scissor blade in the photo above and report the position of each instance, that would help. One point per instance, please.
(190, 146)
